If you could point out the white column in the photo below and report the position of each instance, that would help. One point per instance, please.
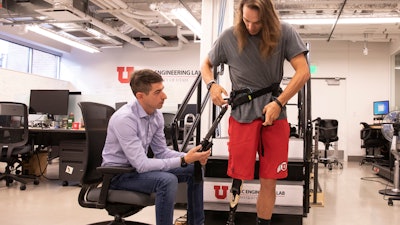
(215, 14)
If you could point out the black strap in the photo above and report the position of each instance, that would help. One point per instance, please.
(242, 96)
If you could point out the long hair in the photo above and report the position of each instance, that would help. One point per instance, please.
(270, 32)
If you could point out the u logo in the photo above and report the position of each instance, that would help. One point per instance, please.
(121, 70)
(217, 191)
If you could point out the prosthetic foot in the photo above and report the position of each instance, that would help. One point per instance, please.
(235, 191)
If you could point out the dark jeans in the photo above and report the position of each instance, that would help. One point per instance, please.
(165, 185)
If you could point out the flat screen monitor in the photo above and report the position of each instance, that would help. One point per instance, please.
(381, 108)
(50, 102)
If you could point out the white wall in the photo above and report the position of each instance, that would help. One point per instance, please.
(96, 76)
(366, 78)
(16, 86)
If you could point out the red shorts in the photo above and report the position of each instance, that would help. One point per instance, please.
(271, 143)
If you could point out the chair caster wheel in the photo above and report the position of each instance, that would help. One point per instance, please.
(22, 187)
(390, 203)
(36, 182)
(65, 183)
(9, 181)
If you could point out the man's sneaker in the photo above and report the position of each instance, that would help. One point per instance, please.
(181, 220)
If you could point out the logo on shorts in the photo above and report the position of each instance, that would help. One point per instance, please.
(282, 167)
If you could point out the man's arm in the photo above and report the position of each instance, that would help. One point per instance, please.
(216, 90)
(206, 71)
(302, 74)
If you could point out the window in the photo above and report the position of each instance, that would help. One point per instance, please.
(45, 64)
(28, 60)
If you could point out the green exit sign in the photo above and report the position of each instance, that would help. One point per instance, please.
(313, 69)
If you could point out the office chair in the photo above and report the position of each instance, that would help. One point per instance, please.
(95, 192)
(372, 139)
(328, 130)
(13, 142)
(168, 120)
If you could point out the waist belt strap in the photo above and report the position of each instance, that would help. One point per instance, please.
(242, 96)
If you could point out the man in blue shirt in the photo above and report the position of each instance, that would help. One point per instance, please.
(139, 125)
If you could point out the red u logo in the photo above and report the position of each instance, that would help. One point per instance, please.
(217, 193)
(121, 70)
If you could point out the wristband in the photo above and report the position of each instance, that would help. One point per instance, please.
(278, 102)
(210, 84)
(183, 162)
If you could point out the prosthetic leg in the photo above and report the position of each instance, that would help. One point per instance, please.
(235, 191)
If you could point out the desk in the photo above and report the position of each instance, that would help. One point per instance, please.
(51, 138)
(67, 144)
(383, 162)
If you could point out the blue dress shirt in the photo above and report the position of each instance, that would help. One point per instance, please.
(131, 131)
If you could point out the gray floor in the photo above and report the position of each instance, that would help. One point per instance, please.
(350, 197)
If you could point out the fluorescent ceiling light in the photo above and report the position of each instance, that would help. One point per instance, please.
(62, 39)
(187, 18)
(355, 20)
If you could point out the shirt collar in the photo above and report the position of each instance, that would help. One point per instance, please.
(140, 110)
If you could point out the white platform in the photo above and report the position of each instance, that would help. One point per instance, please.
(217, 190)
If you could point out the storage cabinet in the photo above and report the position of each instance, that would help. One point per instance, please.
(72, 158)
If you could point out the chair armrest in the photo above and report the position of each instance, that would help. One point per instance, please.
(108, 173)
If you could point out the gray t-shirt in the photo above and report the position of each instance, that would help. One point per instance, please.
(249, 70)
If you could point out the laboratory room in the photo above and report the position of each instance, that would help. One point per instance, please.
(142, 112)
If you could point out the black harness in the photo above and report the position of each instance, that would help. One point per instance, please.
(242, 96)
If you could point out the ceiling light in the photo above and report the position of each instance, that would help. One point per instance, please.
(57, 37)
(365, 49)
(188, 19)
(352, 20)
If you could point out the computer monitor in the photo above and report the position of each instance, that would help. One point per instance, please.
(381, 108)
(50, 102)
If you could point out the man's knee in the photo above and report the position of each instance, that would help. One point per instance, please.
(267, 184)
(168, 182)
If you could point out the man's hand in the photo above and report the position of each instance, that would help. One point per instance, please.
(216, 92)
(194, 155)
(271, 112)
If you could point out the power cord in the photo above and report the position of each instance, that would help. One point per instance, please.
(372, 179)
(42, 172)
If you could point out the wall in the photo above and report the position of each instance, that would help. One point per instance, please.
(16, 86)
(96, 76)
(366, 78)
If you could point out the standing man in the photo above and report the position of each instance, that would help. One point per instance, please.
(255, 49)
(131, 131)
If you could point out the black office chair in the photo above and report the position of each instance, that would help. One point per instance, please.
(95, 192)
(168, 120)
(328, 133)
(372, 140)
(14, 142)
